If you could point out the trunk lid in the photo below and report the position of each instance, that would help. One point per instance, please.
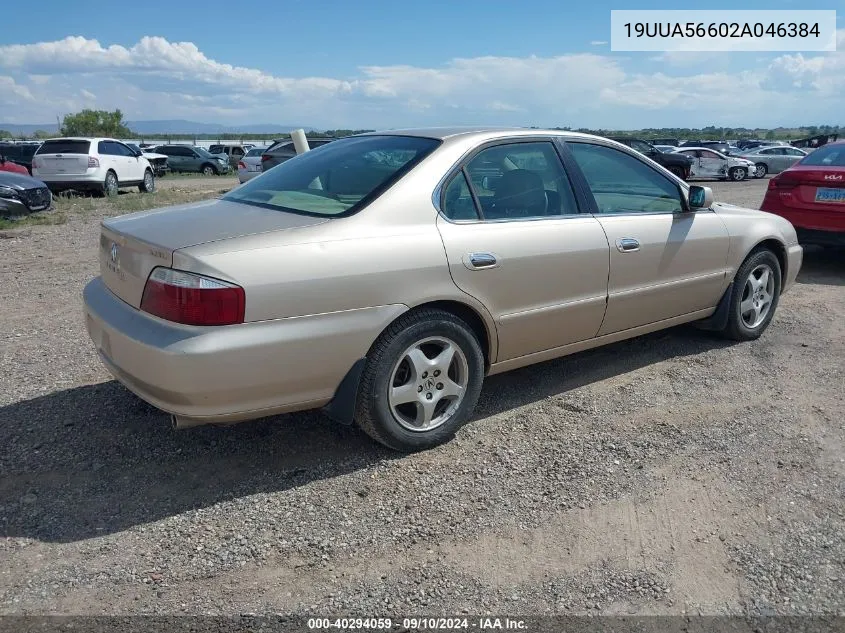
(63, 157)
(131, 246)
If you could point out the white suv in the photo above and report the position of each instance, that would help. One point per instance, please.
(99, 164)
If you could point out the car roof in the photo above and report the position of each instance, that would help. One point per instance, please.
(480, 133)
(83, 138)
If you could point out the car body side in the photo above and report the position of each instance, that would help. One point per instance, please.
(309, 326)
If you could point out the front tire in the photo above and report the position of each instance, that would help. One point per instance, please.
(148, 185)
(754, 297)
(421, 381)
(208, 170)
(737, 173)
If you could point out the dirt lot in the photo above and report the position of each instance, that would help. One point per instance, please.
(668, 474)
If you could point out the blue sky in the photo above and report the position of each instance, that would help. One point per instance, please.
(385, 64)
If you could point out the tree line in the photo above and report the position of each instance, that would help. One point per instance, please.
(111, 124)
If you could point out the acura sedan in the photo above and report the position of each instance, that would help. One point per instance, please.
(383, 276)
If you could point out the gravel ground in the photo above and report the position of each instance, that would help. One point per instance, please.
(675, 473)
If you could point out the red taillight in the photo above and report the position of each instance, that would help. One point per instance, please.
(265, 157)
(192, 299)
(782, 182)
(241, 164)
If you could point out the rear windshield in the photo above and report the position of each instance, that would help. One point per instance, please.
(826, 156)
(216, 149)
(255, 151)
(63, 146)
(339, 178)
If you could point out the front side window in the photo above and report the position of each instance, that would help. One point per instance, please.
(642, 147)
(706, 153)
(621, 183)
(339, 179)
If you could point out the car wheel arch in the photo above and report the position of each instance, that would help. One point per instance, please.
(778, 248)
(773, 244)
(342, 406)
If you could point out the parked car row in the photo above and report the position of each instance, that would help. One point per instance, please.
(719, 159)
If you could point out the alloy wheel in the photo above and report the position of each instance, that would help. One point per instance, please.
(428, 384)
(757, 296)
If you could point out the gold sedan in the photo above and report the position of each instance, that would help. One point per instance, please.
(383, 276)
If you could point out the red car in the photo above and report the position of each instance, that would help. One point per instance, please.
(811, 195)
(7, 165)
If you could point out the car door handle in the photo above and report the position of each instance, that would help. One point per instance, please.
(627, 245)
(479, 261)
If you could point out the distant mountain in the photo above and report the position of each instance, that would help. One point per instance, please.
(28, 129)
(167, 126)
(181, 126)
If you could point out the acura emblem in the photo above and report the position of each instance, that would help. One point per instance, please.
(833, 177)
(114, 253)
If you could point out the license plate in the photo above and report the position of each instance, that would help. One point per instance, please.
(824, 194)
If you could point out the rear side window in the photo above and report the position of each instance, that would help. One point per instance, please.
(457, 199)
(64, 146)
(518, 181)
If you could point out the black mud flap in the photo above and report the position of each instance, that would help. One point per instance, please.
(719, 319)
(342, 407)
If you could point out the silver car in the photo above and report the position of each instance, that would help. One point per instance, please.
(250, 165)
(383, 276)
(773, 160)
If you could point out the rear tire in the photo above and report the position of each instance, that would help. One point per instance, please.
(762, 170)
(111, 186)
(754, 297)
(437, 359)
(737, 173)
(148, 185)
(208, 170)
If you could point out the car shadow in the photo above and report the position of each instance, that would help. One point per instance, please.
(95, 460)
(825, 266)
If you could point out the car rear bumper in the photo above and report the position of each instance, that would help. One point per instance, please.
(821, 238)
(244, 176)
(230, 373)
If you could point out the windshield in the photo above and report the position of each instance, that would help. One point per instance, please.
(203, 152)
(133, 146)
(339, 178)
(826, 156)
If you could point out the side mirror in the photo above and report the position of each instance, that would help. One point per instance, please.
(700, 197)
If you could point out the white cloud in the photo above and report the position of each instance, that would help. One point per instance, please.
(598, 43)
(155, 78)
(11, 92)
